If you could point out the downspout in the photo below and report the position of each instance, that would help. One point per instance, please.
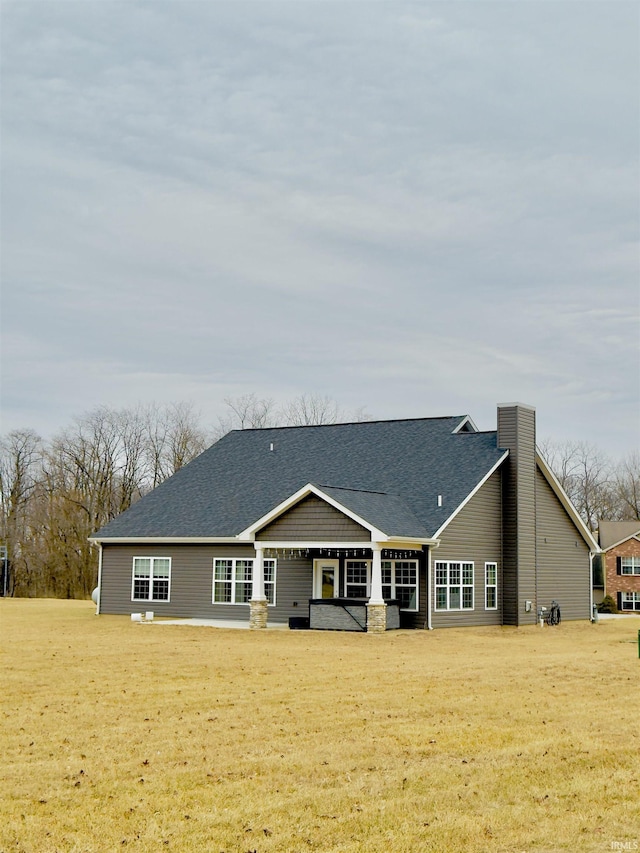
(434, 544)
(591, 556)
(99, 578)
(429, 625)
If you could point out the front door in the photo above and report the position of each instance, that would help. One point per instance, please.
(326, 578)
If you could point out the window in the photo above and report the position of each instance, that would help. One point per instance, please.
(151, 578)
(630, 601)
(233, 577)
(454, 585)
(400, 581)
(357, 578)
(490, 586)
(270, 580)
(630, 565)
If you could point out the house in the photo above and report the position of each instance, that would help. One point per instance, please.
(422, 523)
(620, 545)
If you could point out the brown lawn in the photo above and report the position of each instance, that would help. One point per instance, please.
(154, 737)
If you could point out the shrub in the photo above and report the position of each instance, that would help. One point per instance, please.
(607, 605)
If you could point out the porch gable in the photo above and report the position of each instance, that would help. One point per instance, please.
(312, 519)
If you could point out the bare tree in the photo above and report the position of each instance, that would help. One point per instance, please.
(20, 461)
(187, 439)
(174, 437)
(252, 412)
(627, 486)
(310, 410)
(586, 475)
(246, 412)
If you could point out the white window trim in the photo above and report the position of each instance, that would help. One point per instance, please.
(488, 586)
(234, 560)
(272, 583)
(633, 566)
(393, 580)
(368, 582)
(151, 577)
(449, 585)
(634, 601)
(416, 564)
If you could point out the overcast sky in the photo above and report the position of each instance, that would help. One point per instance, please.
(417, 208)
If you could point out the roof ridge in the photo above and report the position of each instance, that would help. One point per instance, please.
(352, 489)
(354, 423)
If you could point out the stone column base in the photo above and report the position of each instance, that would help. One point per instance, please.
(376, 618)
(258, 614)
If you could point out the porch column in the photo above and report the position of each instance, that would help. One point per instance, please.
(376, 608)
(258, 603)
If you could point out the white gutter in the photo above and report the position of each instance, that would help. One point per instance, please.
(169, 540)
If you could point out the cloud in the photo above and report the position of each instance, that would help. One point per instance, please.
(403, 206)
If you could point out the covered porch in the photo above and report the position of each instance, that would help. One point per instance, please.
(365, 552)
(353, 587)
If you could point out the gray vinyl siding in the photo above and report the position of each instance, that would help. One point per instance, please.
(517, 433)
(314, 520)
(563, 556)
(474, 535)
(192, 582)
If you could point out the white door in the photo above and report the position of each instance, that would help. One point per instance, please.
(326, 578)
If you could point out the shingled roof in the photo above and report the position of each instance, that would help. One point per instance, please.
(388, 472)
(612, 533)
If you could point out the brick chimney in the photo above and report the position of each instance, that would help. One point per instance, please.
(517, 434)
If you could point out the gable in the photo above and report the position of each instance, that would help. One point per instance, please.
(544, 472)
(554, 526)
(475, 533)
(612, 533)
(313, 520)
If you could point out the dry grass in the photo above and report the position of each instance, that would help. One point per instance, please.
(148, 737)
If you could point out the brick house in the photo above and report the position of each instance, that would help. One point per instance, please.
(620, 544)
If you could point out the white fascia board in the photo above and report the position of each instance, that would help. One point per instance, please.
(564, 499)
(471, 494)
(635, 536)
(388, 542)
(309, 545)
(309, 489)
(466, 420)
(162, 540)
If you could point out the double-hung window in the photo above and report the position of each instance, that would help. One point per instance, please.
(630, 601)
(453, 585)
(630, 565)
(357, 578)
(270, 580)
(400, 581)
(491, 586)
(151, 578)
(233, 580)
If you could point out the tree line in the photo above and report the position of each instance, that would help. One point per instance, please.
(55, 494)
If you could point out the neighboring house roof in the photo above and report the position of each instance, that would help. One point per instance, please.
(403, 477)
(612, 533)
